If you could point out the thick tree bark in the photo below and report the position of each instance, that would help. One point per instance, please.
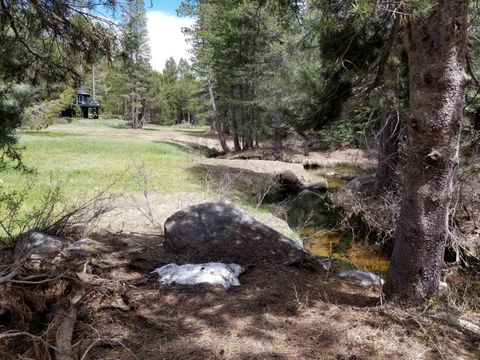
(216, 121)
(436, 48)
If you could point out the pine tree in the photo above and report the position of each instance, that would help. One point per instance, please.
(136, 53)
(436, 47)
(43, 42)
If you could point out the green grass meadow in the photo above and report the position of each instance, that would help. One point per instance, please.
(84, 159)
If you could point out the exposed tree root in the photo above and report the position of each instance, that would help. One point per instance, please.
(463, 325)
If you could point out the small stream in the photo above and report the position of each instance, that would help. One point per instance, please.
(312, 216)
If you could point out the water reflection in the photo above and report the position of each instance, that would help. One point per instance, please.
(314, 218)
(347, 252)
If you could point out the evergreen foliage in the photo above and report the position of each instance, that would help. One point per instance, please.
(42, 43)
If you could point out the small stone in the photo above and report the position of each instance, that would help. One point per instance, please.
(442, 285)
(365, 278)
(360, 182)
(38, 246)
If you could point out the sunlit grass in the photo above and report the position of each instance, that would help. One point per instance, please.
(84, 157)
(84, 162)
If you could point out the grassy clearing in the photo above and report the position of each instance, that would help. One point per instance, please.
(86, 156)
(89, 160)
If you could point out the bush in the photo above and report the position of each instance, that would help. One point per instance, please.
(42, 114)
(50, 212)
(337, 135)
(14, 98)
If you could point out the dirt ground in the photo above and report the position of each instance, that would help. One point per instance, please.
(279, 312)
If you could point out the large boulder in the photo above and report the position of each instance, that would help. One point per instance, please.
(223, 232)
(289, 182)
(310, 208)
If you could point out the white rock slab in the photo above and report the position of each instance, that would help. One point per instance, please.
(365, 278)
(191, 274)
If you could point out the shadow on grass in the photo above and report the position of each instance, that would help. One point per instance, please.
(193, 148)
(51, 134)
(193, 131)
(122, 126)
(246, 185)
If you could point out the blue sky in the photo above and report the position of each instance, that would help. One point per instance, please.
(165, 32)
(166, 6)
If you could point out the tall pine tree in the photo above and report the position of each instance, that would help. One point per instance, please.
(136, 54)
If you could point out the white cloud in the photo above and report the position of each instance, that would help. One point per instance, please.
(166, 38)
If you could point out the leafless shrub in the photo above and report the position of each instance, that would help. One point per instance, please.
(54, 214)
(145, 208)
(377, 214)
(220, 183)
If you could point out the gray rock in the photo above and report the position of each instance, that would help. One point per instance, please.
(82, 247)
(223, 232)
(360, 182)
(292, 185)
(289, 183)
(38, 246)
(319, 186)
(365, 278)
(310, 208)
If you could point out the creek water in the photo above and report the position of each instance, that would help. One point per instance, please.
(312, 216)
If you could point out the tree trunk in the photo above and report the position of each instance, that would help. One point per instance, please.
(233, 126)
(216, 121)
(134, 122)
(146, 116)
(135, 106)
(436, 48)
(476, 120)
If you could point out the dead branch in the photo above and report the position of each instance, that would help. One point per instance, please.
(47, 346)
(65, 330)
(461, 324)
(37, 282)
(10, 274)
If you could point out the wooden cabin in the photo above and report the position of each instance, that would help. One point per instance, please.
(82, 99)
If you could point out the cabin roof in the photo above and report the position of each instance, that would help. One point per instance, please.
(82, 92)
